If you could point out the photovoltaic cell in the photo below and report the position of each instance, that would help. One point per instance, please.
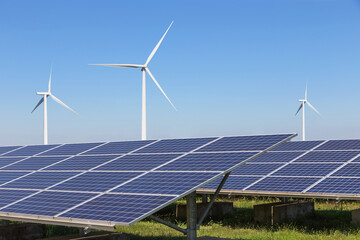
(337, 185)
(232, 183)
(48, 203)
(96, 181)
(30, 150)
(4, 161)
(256, 169)
(34, 163)
(166, 182)
(7, 149)
(350, 170)
(283, 184)
(328, 156)
(175, 145)
(119, 147)
(127, 207)
(143, 162)
(8, 176)
(207, 161)
(304, 169)
(340, 145)
(71, 149)
(243, 143)
(10, 196)
(297, 146)
(281, 157)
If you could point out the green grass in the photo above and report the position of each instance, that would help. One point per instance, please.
(331, 220)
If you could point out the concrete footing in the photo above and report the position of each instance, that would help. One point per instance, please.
(217, 211)
(355, 217)
(275, 213)
(22, 231)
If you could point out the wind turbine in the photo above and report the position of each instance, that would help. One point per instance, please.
(144, 68)
(44, 99)
(302, 105)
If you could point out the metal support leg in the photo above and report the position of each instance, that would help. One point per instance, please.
(285, 200)
(204, 198)
(5, 223)
(191, 216)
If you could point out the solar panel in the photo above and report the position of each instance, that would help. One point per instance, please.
(337, 185)
(340, 145)
(297, 146)
(328, 156)
(4, 150)
(307, 169)
(256, 169)
(283, 184)
(103, 184)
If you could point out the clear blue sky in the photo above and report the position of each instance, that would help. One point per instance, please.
(230, 67)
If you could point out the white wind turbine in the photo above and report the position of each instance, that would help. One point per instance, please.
(302, 105)
(44, 99)
(144, 68)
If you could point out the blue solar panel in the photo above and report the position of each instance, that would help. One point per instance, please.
(82, 162)
(40, 180)
(337, 185)
(340, 145)
(4, 150)
(71, 149)
(9, 196)
(119, 147)
(127, 207)
(244, 143)
(232, 183)
(207, 161)
(48, 203)
(283, 184)
(34, 163)
(30, 150)
(307, 169)
(328, 156)
(277, 157)
(349, 170)
(8, 176)
(96, 181)
(143, 162)
(256, 169)
(297, 146)
(166, 182)
(4, 161)
(175, 145)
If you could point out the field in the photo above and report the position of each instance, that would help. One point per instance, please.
(332, 220)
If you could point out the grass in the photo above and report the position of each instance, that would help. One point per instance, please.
(332, 220)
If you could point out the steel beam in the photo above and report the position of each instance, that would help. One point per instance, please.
(191, 216)
(169, 224)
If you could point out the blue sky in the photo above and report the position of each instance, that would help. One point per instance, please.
(230, 67)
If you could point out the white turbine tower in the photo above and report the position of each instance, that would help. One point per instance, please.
(144, 68)
(44, 99)
(302, 105)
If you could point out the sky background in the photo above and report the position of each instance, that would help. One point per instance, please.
(230, 67)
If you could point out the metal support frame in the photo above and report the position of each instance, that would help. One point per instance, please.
(191, 213)
(169, 224)
(5, 222)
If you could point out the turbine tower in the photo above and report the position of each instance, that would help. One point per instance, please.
(302, 105)
(44, 99)
(144, 68)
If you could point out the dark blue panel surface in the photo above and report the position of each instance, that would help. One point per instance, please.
(340, 145)
(96, 181)
(328, 156)
(10, 196)
(207, 161)
(232, 183)
(256, 169)
(48, 203)
(350, 170)
(127, 207)
(8, 176)
(175, 145)
(34, 163)
(165, 182)
(30, 150)
(9, 160)
(337, 185)
(4, 150)
(304, 169)
(277, 157)
(297, 146)
(283, 184)
(71, 149)
(82, 162)
(40, 180)
(119, 147)
(143, 162)
(244, 143)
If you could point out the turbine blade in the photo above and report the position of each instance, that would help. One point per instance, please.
(313, 108)
(306, 92)
(121, 65)
(157, 46)
(39, 103)
(299, 109)
(63, 104)
(50, 79)
(158, 85)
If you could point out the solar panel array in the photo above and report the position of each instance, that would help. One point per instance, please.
(105, 184)
(312, 168)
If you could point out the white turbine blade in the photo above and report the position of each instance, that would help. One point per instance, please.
(299, 109)
(50, 79)
(157, 46)
(39, 103)
(306, 92)
(313, 108)
(61, 103)
(121, 65)
(158, 85)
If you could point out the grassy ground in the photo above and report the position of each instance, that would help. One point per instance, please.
(331, 220)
